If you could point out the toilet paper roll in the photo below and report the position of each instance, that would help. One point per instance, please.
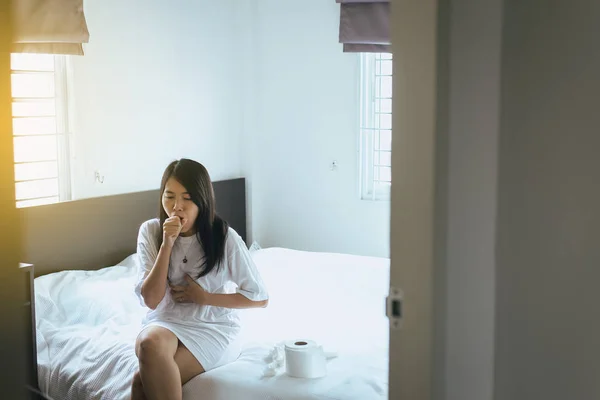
(305, 359)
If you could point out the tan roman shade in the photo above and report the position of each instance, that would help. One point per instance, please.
(49, 26)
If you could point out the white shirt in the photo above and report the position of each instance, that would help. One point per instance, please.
(237, 273)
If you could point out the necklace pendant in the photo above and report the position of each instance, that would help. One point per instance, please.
(185, 259)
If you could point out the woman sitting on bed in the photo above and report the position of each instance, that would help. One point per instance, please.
(193, 272)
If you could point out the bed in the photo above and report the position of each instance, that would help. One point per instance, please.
(87, 321)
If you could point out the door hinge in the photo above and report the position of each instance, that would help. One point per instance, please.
(393, 307)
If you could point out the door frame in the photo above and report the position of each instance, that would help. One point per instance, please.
(413, 197)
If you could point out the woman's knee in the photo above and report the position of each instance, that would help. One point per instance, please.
(154, 343)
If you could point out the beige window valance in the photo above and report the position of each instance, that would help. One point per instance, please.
(49, 26)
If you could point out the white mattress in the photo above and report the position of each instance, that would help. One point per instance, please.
(87, 323)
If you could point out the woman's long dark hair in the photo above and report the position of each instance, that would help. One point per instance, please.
(211, 230)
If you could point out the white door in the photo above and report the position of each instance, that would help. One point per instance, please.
(414, 34)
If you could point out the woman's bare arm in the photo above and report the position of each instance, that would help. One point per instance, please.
(194, 293)
(154, 286)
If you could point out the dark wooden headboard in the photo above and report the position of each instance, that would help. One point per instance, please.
(93, 233)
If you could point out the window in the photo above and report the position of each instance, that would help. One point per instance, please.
(40, 129)
(376, 125)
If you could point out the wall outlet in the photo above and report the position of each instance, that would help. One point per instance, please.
(98, 178)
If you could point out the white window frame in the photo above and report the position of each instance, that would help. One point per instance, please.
(63, 105)
(370, 187)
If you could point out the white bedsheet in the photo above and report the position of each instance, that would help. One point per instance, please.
(87, 323)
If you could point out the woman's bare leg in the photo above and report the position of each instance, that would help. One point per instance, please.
(156, 348)
(137, 389)
(188, 366)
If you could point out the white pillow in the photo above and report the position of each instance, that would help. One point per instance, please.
(130, 261)
(254, 247)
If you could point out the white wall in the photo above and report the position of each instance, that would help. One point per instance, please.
(301, 114)
(157, 82)
(179, 82)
